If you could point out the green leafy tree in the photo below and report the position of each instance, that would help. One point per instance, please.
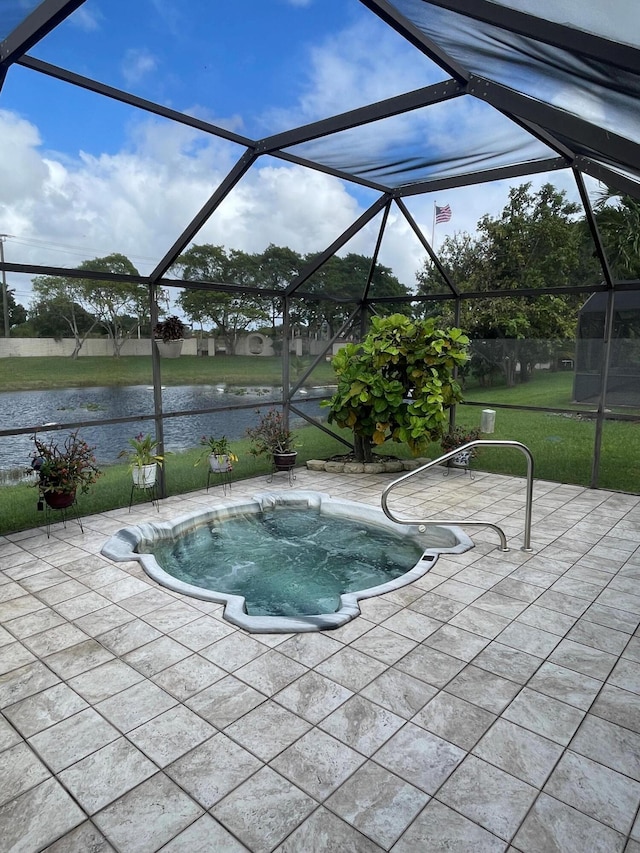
(16, 312)
(231, 312)
(342, 281)
(618, 218)
(397, 384)
(537, 241)
(57, 310)
(119, 306)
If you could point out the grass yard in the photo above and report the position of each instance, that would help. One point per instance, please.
(25, 374)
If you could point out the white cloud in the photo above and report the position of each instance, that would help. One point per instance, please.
(86, 18)
(137, 64)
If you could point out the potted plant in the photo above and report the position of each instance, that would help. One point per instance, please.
(456, 438)
(169, 336)
(271, 435)
(63, 469)
(219, 453)
(143, 460)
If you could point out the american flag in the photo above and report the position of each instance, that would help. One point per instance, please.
(443, 214)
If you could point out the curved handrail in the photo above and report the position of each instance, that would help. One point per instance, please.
(468, 446)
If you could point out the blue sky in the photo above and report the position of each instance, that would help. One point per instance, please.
(82, 177)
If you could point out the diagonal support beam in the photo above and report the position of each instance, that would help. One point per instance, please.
(44, 18)
(364, 115)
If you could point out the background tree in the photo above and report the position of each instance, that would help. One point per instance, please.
(618, 218)
(57, 310)
(231, 313)
(16, 312)
(536, 242)
(344, 280)
(119, 306)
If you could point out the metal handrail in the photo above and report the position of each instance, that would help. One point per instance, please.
(446, 456)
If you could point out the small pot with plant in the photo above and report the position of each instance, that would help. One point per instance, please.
(457, 438)
(143, 460)
(63, 468)
(169, 336)
(271, 435)
(219, 453)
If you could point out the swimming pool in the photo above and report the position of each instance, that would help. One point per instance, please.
(285, 562)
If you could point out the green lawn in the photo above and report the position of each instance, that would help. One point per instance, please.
(24, 374)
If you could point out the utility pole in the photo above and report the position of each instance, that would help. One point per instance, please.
(5, 298)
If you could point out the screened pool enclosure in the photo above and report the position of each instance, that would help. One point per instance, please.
(416, 174)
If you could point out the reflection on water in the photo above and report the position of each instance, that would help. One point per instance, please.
(21, 408)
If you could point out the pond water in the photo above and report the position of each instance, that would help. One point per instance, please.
(21, 408)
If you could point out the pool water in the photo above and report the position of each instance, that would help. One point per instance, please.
(285, 561)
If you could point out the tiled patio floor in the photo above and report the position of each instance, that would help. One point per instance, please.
(494, 705)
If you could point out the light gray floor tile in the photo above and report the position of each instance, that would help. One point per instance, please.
(78, 658)
(202, 632)
(188, 677)
(351, 668)
(148, 816)
(420, 757)
(489, 796)
(72, 739)
(483, 688)
(135, 705)
(106, 774)
(507, 662)
(378, 803)
(384, 645)
(437, 606)
(313, 696)
(204, 836)
(171, 734)
(480, 621)
(54, 639)
(361, 724)
(270, 672)
(81, 840)
(34, 623)
(413, 625)
(457, 642)
(38, 817)
(310, 648)
(595, 790)
(554, 826)
(431, 665)
(156, 656)
(544, 715)
(233, 651)
(439, 829)
(263, 810)
(454, 719)
(520, 752)
(171, 616)
(105, 680)
(565, 684)
(626, 674)
(125, 638)
(44, 709)
(324, 832)
(317, 763)
(534, 641)
(225, 701)
(399, 692)
(599, 636)
(267, 730)
(213, 769)
(20, 770)
(611, 745)
(584, 659)
(618, 706)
